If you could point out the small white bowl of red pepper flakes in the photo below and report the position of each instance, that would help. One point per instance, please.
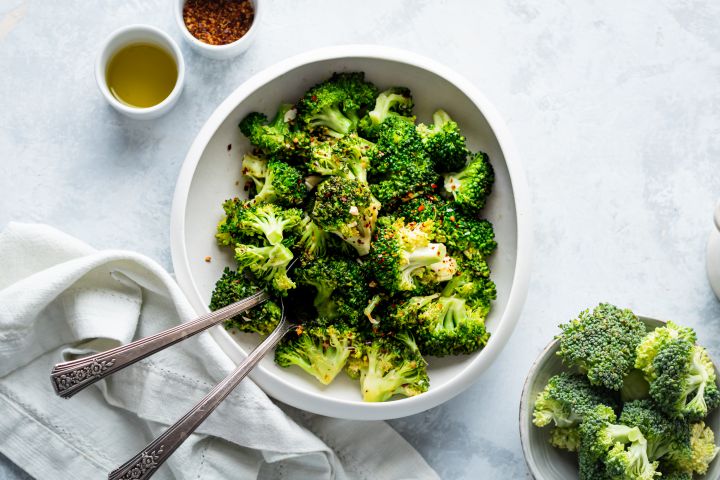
(218, 28)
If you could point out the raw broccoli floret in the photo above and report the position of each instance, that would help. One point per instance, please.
(444, 143)
(683, 383)
(341, 288)
(656, 341)
(567, 438)
(602, 343)
(666, 437)
(277, 137)
(333, 106)
(471, 186)
(233, 287)
(566, 399)
(399, 167)
(402, 256)
(283, 184)
(621, 448)
(395, 101)
(322, 351)
(390, 367)
(268, 264)
(702, 451)
(348, 209)
(313, 240)
(266, 221)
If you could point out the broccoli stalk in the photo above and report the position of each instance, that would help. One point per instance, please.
(256, 168)
(665, 437)
(320, 351)
(313, 239)
(395, 101)
(268, 263)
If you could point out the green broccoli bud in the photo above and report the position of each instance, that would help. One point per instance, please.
(665, 436)
(471, 186)
(444, 143)
(565, 438)
(396, 101)
(283, 184)
(565, 400)
(277, 137)
(268, 221)
(702, 451)
(656, 341)
(268, 263)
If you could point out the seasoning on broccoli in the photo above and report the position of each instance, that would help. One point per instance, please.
(471, 186)
(278, 137)
(444, 143)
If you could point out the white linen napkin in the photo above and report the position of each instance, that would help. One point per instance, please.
(60, 298)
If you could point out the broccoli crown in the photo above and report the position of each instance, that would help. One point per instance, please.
(421, 208)
(313, 240)
(471, 186)
(401, 256)
(702, 451)
(468, 234)
(665, 436)
(390, 367)
(566, 399)
(565, 438)
(323, 156)
(334, 105)
(602, 343)
(656, 341)
(444, 143)
(396, 101)
(684, 381)
(399, 166)
(322, 351)
(229, 229)
(621, 448)
(266, 221)
(233, 287)
(347, 208)
(283, 185)
(356, 153)
(277, 137)
(342, 290)
(268, 264)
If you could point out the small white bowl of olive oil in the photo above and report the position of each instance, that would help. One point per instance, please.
(140, 71)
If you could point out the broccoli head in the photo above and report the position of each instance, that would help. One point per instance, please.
(283, 184)
(390, 367)
(402, 257)
(621, 448)
(333, 106)
(566, 399)
(444, 143)
(322, 351)
(233, 287)
(341, 285)
(396, 101)
(348, 209)
(683, 383)
(656, 341)
(268, 264)
(278, 137)
(421, 208)
(268, 222)
(702, 451)
(229, 229)
(602, 343)
(471, 186)
(666, 437)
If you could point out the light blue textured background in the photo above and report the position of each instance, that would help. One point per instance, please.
(614, 105)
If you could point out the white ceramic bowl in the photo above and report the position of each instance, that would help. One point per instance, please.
(219, 52)
(212, 169)
(136, 34)
(549, 463)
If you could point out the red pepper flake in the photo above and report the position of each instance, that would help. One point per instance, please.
(218, 22)
(433, 186)
(229, 147)
(421, 208)
(314, 98)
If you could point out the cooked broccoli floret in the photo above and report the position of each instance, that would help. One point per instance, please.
(390, 367)
(444, 143)
(471, 186)
(566, 399)
(268, 263)
(229, 229)
(233, 287)
(277, 137)
(341, 285)
(621, 448)
(602, 343)
(333, 106)
(283, 184)
(421, 208)
(565, 438)
(313, 239)
(402, 256)
(683, 383)
(666, 437)
(399, 167)
(256, 168)
(396, 101)
(702, 451)
(347, 208)
(656, 341)
(322, 157)
(320, 351)
(356, 153)
(267, 221)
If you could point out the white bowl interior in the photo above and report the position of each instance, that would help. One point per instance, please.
(217, 177)
(549, 463)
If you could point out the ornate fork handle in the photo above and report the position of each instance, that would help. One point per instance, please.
(145, 464)
(68, 378)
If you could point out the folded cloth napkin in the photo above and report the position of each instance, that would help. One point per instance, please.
(60, 298)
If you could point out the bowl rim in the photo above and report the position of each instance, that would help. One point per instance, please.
(316, 402)
(525, 399)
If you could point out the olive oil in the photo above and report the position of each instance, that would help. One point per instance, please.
(141, 75)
